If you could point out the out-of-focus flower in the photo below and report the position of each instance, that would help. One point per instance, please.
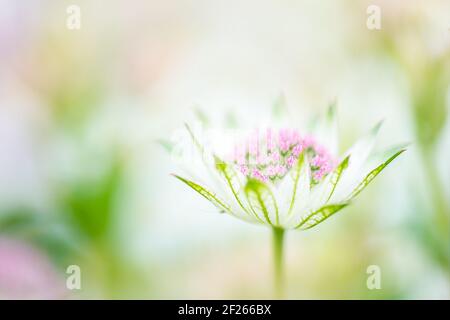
(287, 180)
(26, 274)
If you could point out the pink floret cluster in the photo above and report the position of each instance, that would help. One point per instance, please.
(270, 155)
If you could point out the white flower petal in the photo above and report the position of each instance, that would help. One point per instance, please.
(326, 130)
(358, 154)
(376, 164)
(326, 189)
(262, 201)
(236, 192)
(293, 191)
(317, 216)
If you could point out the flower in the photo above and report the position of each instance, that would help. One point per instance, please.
(287, 179)
(283, 178)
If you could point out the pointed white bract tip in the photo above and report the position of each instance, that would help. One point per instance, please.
(378, 126)
(405, 145)
(331, 112)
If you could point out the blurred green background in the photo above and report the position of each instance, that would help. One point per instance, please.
(82, 181)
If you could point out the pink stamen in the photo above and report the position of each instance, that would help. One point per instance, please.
(244, 170)
(297, 150)
(259, 176)
(291, 160)
(270, 142)
(273, 157)
(271, 171)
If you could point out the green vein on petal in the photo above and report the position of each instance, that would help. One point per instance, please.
(194, 139)
(336, 175)
(234, 185)
(372, 174)
(259, 195)
(320, 215)
(201, 150)
(297, 174)
(210, 196)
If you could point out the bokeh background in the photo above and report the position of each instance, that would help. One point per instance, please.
(83, 181)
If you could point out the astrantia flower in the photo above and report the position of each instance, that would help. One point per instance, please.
(285, 178)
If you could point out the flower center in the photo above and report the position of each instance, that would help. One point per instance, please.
(271, 156)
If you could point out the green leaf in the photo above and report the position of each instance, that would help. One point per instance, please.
(262, 199)
(210, 196)
(318, 216)
(45, 231)
(90, 204)
(372, 174)
(17, 220)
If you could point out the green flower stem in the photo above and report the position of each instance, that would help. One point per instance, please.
(278, 236)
